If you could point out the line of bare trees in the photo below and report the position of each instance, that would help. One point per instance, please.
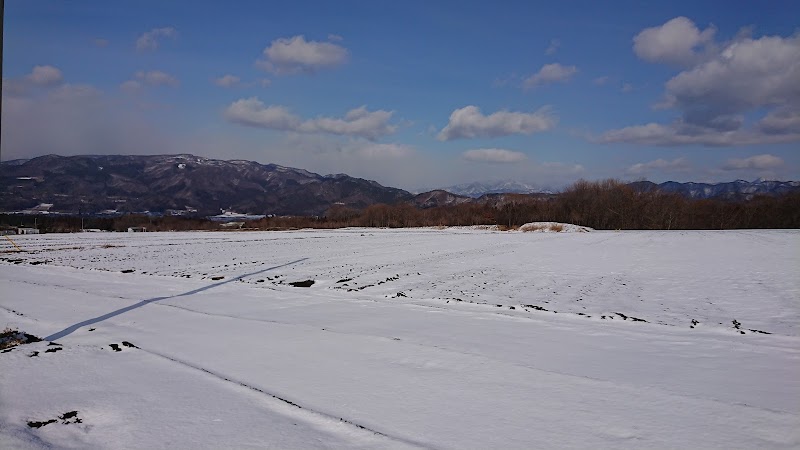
(603, 205)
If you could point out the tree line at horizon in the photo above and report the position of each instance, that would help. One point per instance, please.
(603, 205)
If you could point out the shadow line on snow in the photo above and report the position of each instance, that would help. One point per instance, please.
(72, 328)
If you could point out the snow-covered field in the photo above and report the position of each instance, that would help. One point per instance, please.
(450, 338)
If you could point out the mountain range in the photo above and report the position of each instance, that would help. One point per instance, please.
(191, 184)
(181, 183)
(477, 189)
(734, 190)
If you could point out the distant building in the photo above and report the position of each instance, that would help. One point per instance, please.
(136, 229)
(26, 230)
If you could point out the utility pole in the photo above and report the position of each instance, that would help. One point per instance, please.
(2, 44)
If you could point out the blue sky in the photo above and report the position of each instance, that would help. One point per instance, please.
(414, 94)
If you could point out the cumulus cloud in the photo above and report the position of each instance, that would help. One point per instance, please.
(40, 77)
(287, 56)
(757, 162)
(744, 77)
(150, 40)
(228, 81)
(252, 112)
(359, 122)
(44, 76)
(469, 122)
(494, 155)
(550, 73)
(675, 42)
(662, 165)
(747, 74)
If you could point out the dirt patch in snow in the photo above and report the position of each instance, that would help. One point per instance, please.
(66, 419)
(12, 337)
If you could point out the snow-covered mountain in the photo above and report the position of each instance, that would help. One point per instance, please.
(734, 190)
(478, 189)
(180, 182)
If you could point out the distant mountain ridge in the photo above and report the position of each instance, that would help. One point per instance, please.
(478, 189)
(203, 186)
(182, 182)
(734, 190)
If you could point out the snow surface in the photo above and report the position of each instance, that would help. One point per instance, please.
(554, 227)
(407, 338)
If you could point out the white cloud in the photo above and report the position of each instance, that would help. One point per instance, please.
(228, 81)
(745, 77)
(100, 42)
(156, 78)
(286, 56)
(358, 122)
(675, 42)
(746, 74)
(150, 39)
(550, 73)
(553, 47)
(757, 162)
(662, 165)
(335, 38)
(679, 133)
(468, 122)
(45, 76)
(252, 112)
(494, 155)
(627, 87)
(40, 77)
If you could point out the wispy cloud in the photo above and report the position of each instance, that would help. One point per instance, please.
(662, 165)
(494, 155)
(757, 162)
(553, 47)
(550, 73)
(228, 81)
(151, 40)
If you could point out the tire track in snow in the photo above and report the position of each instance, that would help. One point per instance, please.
(320, 414)
(582, 378)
